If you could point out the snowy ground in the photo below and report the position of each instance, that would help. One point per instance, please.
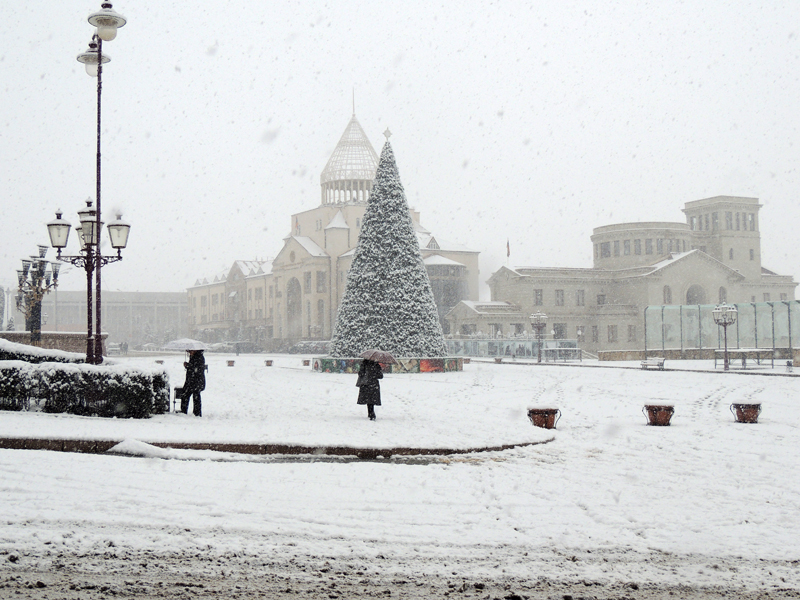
(610, 508)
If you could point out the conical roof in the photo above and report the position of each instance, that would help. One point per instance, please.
(354, 158)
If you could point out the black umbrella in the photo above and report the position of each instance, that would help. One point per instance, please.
(380, 356)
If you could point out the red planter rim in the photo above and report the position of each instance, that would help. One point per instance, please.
(544, 417)
(658, 414)
(746, 413)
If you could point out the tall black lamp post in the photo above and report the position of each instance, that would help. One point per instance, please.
(539, 322)
(725, 315)
(107, 22)
(36, 278)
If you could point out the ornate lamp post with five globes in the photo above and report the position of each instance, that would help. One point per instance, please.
(35, 280)
(107, 22)
(725, 315)
(539, 322)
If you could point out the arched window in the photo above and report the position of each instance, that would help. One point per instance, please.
(723, 295)
(696, 295)
(667, 295)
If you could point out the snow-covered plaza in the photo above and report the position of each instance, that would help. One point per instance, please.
(605, 504)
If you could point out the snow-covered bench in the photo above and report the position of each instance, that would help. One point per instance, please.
(653, 363)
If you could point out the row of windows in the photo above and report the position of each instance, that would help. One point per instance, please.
(559, 298)
(217, 299)
(321, 281)
(752, 254)
(734, 221)
(626, 247)
(560, 332)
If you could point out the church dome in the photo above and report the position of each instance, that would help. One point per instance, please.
(351, 168)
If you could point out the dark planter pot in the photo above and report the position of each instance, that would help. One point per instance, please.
(658, 414)
(544, 417)
(159, 362)
(466, 361)
(306, 362)
(746, 413)
(267, 363)
(231, 363)
(498, 359)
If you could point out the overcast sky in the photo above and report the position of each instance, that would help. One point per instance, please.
(533, 122)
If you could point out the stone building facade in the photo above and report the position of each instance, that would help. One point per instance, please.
(134, 317)
(714, 256)
(295, 296)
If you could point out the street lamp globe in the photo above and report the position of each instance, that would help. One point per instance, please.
(91, 58)
(58, 229)
(107, 21)
(79, 233)
(118, 232)
(89, 225)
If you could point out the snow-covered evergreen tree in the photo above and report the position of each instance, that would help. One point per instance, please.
(388, 302)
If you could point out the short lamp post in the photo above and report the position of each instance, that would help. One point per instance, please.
(36, 278)
(107, 21)
(725, 315)
(539, 322)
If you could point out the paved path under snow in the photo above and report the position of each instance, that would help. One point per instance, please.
(612, 508)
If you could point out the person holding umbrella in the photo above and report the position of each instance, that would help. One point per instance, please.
(369, 374)
(195, 382)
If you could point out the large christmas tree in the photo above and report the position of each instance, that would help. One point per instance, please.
(388, 302)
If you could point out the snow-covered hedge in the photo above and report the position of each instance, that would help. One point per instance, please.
(92, 390)
(32, 354)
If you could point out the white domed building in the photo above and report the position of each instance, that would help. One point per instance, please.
(297, 296)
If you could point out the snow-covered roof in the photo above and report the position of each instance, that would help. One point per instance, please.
(419, 227)
(338, 222)
(249, 267)
(430, 242)
(353, 158)
(309, 245)
(216, 279)
(674, 257)
(436, 259)
(264, 268)
(491, 307)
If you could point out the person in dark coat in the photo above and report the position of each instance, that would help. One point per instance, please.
(369, 392)
(195, 382)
